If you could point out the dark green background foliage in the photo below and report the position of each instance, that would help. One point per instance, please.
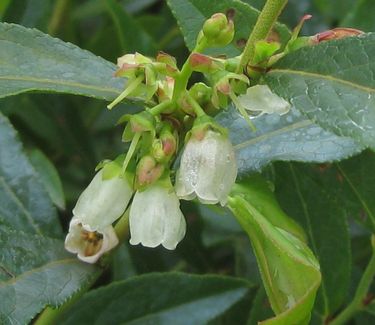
(317, 158)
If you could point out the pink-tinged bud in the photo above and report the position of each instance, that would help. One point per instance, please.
(164, 147)
(169, 146)
(202, 63)
(148, 171)
(141, 122)
(184, 104)
(224, 87)
(337, 33)
(127, 70)
(166, 64)
(167, 59)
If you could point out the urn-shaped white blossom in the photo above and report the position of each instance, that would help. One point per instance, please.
(208, 169)
(87, 243)
(103, 201)
(155, 217)
(90, 232)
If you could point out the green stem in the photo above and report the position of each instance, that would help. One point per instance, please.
(186, 71)
(197, 108)
(160, 108)
(122, 226)
(128, 90)
(262, 28)
(357, 303)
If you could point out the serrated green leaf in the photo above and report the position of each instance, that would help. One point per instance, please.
(168, 298)
(289, 270)
(333, 84)
(33, 61)
(49, 177)
(291, 137)
(191, 14)
(306, 197)
(36, 271)
(24, 203)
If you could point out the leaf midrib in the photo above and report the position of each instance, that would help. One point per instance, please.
(324, 77)
(113, 91)
(21, 205)
(290, 127)
(38, 269)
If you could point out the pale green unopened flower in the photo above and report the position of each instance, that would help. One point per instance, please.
(155, 218)
(89, 244)
(90, 232)
(208, 169)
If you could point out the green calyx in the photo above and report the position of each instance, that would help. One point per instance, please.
(201, 125)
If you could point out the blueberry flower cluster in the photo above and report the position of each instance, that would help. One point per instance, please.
(144, 184)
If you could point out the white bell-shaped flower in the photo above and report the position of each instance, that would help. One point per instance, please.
(87, 243)
(155, 218)
(103, 201)
(208, 169)
(90, 232)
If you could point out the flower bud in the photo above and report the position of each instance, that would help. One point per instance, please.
(164, 147)
(169, 62)
(218, 30)
(184, 104)
(142, 122)
(148, 171)
(204, 63)
(155, 218)
(208, 168)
